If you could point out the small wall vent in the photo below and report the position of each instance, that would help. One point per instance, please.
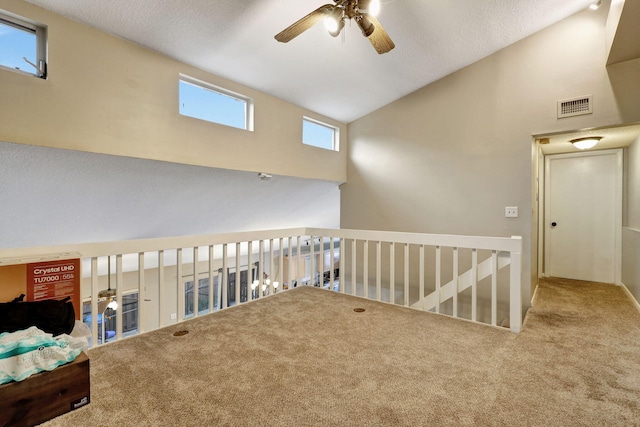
(575, 106)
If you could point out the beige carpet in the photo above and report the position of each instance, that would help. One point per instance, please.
(305, 358)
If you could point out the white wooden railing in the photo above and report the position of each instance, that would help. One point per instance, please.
(473, 278)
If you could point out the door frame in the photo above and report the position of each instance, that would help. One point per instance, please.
(544, 209)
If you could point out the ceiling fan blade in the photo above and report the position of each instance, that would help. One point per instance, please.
(380, 40)
(304, 24)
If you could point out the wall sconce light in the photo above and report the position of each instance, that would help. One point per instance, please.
(586, 143)
(595, 5)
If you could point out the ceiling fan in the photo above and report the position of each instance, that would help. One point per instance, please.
(335, 15)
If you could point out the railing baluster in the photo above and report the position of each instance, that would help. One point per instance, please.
(161, 295)
(474, 285)
(332, 251)
(250, 278)
(142, 306)
(271, 276)
(225, 278)
(455, 282)
(211, 287)
(261, 270)
(392, 273)
(312, 261)
(354, 267)
(196, 284)
(94, 302)
(281, 264)
(365, 269)
(494, 287)
(238, 274)
(343, 278)
(438, 277)
(119, 286)
(515, 290)
(180, 285)
(406, 275)
(421, 263)
(298, 263)
(378, 270)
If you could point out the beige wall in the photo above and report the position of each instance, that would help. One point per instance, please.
(632, 163)
(449, 157)
(631, 225)
(106, 95)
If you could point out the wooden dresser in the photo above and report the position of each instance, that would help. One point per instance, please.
(46, 395)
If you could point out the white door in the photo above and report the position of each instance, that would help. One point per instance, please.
(583, 205)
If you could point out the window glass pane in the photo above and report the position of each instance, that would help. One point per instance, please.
(203, 297)
(207, 104)
(130, 314)
(16, 44)
(318, 135)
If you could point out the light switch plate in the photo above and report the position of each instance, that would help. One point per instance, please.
(511, 212)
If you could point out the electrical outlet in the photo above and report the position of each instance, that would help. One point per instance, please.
(511, 212)
(174, 316)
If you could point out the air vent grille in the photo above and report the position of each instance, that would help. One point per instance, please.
(575, 106)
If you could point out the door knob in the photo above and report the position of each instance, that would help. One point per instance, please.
(553, 224)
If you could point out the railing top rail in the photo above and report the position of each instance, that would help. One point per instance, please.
(35, 254)
(508, 244)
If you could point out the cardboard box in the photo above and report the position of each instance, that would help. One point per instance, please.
(46, 395)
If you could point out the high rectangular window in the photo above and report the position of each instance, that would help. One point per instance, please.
(319, 134)
(213, 104)
(22, 45)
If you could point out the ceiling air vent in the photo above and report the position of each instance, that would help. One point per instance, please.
(575, 106)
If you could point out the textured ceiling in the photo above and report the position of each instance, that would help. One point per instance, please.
(343, 77)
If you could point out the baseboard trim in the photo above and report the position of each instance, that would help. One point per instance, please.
(535, 294)
(630, 295)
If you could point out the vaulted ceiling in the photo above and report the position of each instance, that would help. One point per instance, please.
(344, 77)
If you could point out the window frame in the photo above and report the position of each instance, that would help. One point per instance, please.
(335, 143)
(248, 101)
(40, 32)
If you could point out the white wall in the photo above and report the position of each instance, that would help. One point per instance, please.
(52, 196)
(449, 157)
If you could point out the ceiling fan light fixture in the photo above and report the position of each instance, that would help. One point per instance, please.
(374, 8)
(335, 17)
(334, 27)
(586, 143)
(365, 26)
(334, 22)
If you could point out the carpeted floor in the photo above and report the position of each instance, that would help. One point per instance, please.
(306, 358)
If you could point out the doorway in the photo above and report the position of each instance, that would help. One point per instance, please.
(583, 215)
